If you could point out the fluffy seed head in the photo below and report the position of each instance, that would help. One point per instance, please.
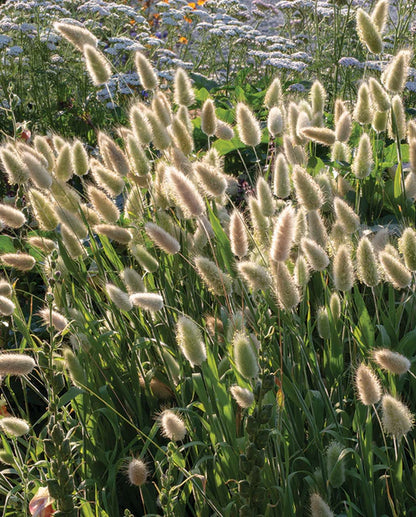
(256, 276)
(11, 216)
(138, 159)
(285, 288)
(343, 127)
(335, 465)
(395, 75)
(186, 194)
(275, 121)
(160, 137)
(162, 108)
(407, 246)
(363, 112)
(20, 261)
(46, 245)
(317, 97)
(5, 289)
(104, 206)
(340, 152)
(397, 121)
(53, 318)
(63, 169)
(379, 96)
(247, 125)
(74, 367)
(144, 258)
(97, 65)
(346, 216)
(281, 183)
(335, 306)
(307, 190)
(75, 34)
(189, 339)
(37, 172)
(368, 33)
(182, 138)
(217, 281)
(183, 93)
(137, 472)
(14, 426)
(72, 221)
(140, 124)
(379, 14)
(162, 239)
(71, 242)
(211, 180)
(42, 145)
(396, 272)
(16, 364)
(43, 209)
(321, 135)
(6, 306)
(301, 272)
(132, 280)
(147, 75)
(322, 323)
(265, 197)
(238, 235)
(208, 118)
(116, 233)
(396, 417)
(16, 170)
(316, 256)
(173, 427)
(367, 269)
(244, 356)
(379, 122)
(112, 183)
(113, 156)
(79, 158)
(316, 228)
(243, 396)
(224, 131)
(283, 235)
(367, 385)
(391, 361)
(273, 95)
(343, 269)
(118, 297)
(152, 302)
(319, 507)
(363, 160)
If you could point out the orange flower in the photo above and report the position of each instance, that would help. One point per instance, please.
(192, 4)
(183, 40)
(201, 2)
(187, 19)
(132, 22)
(3, 411)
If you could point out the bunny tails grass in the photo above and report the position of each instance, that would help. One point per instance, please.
(368, 32)
(147, 75)
(396, 417)
(218, 282)
(391, 361)
(14, 427)
(97, 65)
(245, 356)
(173, 427)
(16, 364)
(189, 339)
(137, 472)
(247, 125)
(367, 385)
(20, 261)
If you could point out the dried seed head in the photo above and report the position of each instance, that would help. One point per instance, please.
(395, 75)
(273, 95)
(363, 160)
(65, 196)
(379, 14)
(37, 171)
(98, 67)
(321, 135)
(63, 169)
(407, 246)
(152, 302)
(16, 170)
(104, 206)
(410, 185)
(319, 507)
(367, 268)
(322, 323)
(301, 272)
(173, 427)
(140, 124)
(14, 426)
(189, 339)
(120, 299)
(343, 269)
(183, 93)
(363, 112)
(42, 145)
(162, 239)
(144, 258)
(275, 121)
(53, 318)
(379, 96)
(340, 152)
(160, 137)
(391, 361)
(307, 190)
(339, 109)
(208, 118)
(281, 183)
(116, 233)
(43, 209)
(411, 129)
(317, 259)
(265, 197)
(317, 97)
(238, 235)
(72, 221)
(397, 419)
(396, 272)
(243, 396)
(343, 127)
(346, 216)
(283, 235)
(137, 472)
(16, 364)
(146, 72)
(5, 289)
(247, 125)
(218, 282)
(212, 182)
(368, 385)
(186, 194)
(368, 32)
(12, 217)
(244, 356)
(259, 222)
(182, 138)
(285, 288)
(76, 34)
(20, 261)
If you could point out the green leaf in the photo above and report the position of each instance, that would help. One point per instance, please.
(398, 182)
(202, 94)
(227, 146)
(6, 244)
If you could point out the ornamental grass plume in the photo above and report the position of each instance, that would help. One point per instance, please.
(308, 193)
(283, 234)
(11, 217)
(301, 272)
(72, 221)
(162, 108)
(380, 120)
(368, 32)
(247, 125)
(320, 135)
(37, 171)
(16, 170)
(381, 100)
(172, 426)
(397, 121)
(319, 507)
(63, 168)
(16, 364)
(224, 131)
(7, 307)
(20, 261)
(301, 225)
(120, 299)
(391, 361)
(343, 127)
(14, 427)
(152, 302)
(139, 162)
(244, 356)
(217, 281)
(265, 197)
(285, 288)
(346, 216)
(335, 306)
(43, 210)
(5, 288)
(183, 93)
(114, 158)
(65, 196)
(273, 95)
(147, 75)
(316, 228)
(363, 111)
(395, 74)
(103, 205)
(74, 367)
(396, 417)
(340, 152)
(322, 323)
(208, 118)
(281, 182)
(407, 246)
(275, 123)
(190, 342)
(238, 235)
(162, 238)
(185, 194)
(212, 182)
(335, 465)
(160, 137)
(79, 158)
(317, 97)
(259, 222)
(367, 385)
(316, 256)
(367, 267)
(98, 67)
(144, 258)
(113, 232)
(71, 242)
(42, 145)
(45, 245)
(137, 472)
(53, 318)
(339, 109)
(76, 34)
(396, 272)
(256, 276)
(410, 185)
(132, 280)
(343, 270)
(363, 160)
(182, 138)
(243, 396)
(380, 14)
(140, 124)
